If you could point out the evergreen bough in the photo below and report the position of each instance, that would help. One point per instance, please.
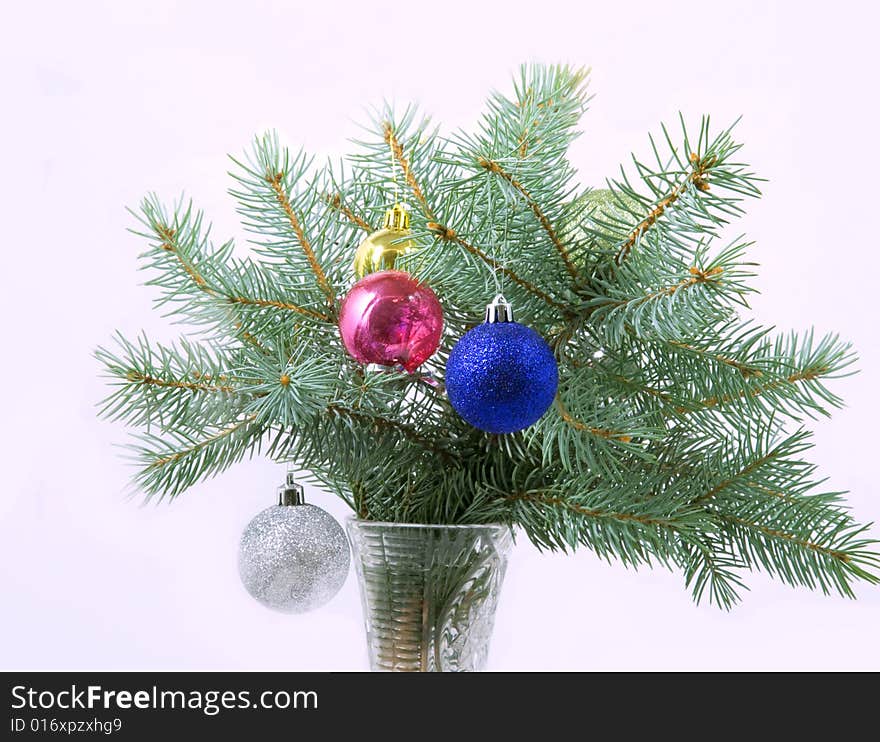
(675, 437)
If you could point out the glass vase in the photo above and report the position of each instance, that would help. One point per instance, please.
(429, 592)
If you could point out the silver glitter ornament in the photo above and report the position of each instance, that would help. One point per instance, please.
(293, 557)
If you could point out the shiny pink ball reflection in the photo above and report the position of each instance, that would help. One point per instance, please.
(391, 319)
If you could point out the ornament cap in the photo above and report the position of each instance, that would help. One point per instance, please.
(396, 219)
(291, 493)
(499, 310)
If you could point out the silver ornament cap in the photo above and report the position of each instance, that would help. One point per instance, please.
(499, 310)
(291, 492)
(293, 557)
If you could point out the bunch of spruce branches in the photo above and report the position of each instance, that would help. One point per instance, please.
(676, 436)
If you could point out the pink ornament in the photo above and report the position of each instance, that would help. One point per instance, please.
(391, 319)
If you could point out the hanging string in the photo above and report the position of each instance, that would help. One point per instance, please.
(505, 249)
(394, 171)
(499, 261)
(508, 221)
(505, 243)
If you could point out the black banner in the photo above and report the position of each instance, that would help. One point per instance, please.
(239, 705)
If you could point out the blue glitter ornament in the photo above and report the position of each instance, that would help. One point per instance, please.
(501, 376)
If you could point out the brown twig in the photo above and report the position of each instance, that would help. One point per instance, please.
(773, 493)
(169, 244)
(494, 167)
(744, 472)
(590, 512)
(224, 433)
(397, 151)
(450, 235)
(805, 375)
(840, 556)
(747, 370)
(698, 176)
(697, 276)
(447, 233)
(335, 201)
(278, 305)
(276, 181)
(138, 377)
(643, 388)
(250, 338)
(384, 423)
(598, 432)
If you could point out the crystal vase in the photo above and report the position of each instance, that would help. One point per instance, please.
(429, 592)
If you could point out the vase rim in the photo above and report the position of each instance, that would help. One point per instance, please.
(361, 523)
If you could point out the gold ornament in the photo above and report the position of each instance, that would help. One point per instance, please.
(380, 250)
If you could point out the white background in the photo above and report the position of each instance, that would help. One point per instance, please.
(103, 102)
